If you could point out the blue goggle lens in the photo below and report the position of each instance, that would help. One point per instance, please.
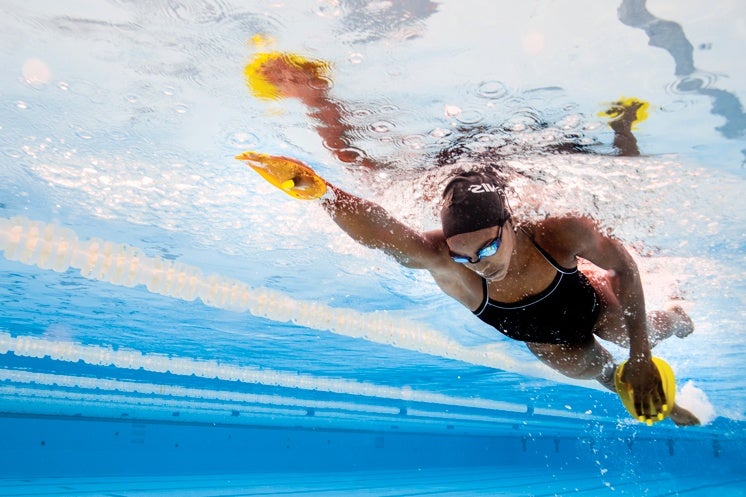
(486, 251)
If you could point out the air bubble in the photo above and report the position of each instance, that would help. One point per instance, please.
(469, 116)
(692, 83)
(414, 142)
(492, 90)
(242, 139)
(388, 109)
(118, 135)
(570, 122)
(382, 126)
(451, 110)
(361, 112)
(440, 133)
(515, 102)
(484, 137)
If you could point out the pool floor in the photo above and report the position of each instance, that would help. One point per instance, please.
(487, 481)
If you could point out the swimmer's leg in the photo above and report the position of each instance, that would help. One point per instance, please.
(592, 361)
(663, 324)
(583, 362)
(682, 417)
(669, 322)
(611, 324)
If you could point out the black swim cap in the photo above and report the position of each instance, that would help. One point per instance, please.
(473, 200)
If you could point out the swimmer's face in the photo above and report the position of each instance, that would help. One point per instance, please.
(474, 250)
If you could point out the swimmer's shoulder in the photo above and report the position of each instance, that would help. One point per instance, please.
(436, 237)
(454, 279)
(562, 236)
(435, 241)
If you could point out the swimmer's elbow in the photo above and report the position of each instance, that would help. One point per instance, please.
(624, 271)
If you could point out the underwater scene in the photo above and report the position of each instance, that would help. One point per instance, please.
(214, 278)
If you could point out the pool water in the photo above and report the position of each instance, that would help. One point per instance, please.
(173, 325)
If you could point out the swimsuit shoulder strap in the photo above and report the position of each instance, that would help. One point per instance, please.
(549, 258)
(485, 298)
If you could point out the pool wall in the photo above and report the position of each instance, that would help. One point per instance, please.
(77, 446)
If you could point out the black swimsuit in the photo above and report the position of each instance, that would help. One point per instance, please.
(564, 313)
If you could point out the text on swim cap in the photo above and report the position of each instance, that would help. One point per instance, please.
(483, 188)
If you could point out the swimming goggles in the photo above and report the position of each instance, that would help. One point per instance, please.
(486, 251)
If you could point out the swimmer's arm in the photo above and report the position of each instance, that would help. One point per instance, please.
(369, 224)
(366, 222)
(583, 239)
(580, 237)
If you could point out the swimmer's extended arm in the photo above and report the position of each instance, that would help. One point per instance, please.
(371, 225)
(366, 222)
(581, 237)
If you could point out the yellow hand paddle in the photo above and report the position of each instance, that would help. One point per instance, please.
(626, 393)
(289, 175)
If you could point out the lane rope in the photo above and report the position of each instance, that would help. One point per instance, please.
(57, 248)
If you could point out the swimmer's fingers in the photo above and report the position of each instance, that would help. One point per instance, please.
(643, 408)
(639, 407)
(662, 404)
(646, 390)
(652, 406)
(657, 396)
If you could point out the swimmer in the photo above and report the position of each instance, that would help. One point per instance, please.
(520, 277)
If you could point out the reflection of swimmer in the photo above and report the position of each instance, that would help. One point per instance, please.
(520, 277)
(624, 114)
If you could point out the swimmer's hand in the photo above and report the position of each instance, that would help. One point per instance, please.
(643, 378)
(289, 175)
